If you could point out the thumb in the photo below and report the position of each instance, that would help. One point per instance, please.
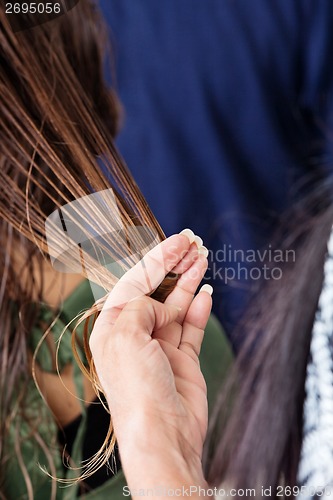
(145, 314)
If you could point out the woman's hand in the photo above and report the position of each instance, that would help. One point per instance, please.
(146, 358)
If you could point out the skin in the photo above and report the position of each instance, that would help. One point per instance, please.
(60, 394)
(146, 358)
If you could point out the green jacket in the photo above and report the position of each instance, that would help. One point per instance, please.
(215, 360)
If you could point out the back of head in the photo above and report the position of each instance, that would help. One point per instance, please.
(58, 121)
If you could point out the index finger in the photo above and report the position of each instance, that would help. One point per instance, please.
(150, 271)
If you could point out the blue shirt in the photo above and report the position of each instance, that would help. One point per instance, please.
(228, 105)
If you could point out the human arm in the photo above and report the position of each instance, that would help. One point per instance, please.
(146, 357)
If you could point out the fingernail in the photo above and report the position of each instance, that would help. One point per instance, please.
(203, 251)
(189, 234)
(198, 241)
(206, 288)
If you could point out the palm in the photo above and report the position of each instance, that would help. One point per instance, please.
(181, 342)
(189, 395)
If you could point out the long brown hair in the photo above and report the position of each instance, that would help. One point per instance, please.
(58, 121)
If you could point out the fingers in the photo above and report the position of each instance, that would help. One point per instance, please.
(147, 274)
(184, 291)
(195, 322)
(171, 334)
(182, 296)
(177, 253)
(143, 315)
(136, 320)
(187, 261)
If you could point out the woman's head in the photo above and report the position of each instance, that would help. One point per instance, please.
(53, 100)
(57, 124)
(58, 120)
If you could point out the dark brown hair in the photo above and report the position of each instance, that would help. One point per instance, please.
(58, 120)
(256, 431)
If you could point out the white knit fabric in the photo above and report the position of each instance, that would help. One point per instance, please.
(315, 472)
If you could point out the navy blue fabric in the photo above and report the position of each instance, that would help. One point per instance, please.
(225, 102)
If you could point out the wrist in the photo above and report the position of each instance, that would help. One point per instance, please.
(155, 457)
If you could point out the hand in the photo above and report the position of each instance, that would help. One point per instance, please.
(146, 357)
